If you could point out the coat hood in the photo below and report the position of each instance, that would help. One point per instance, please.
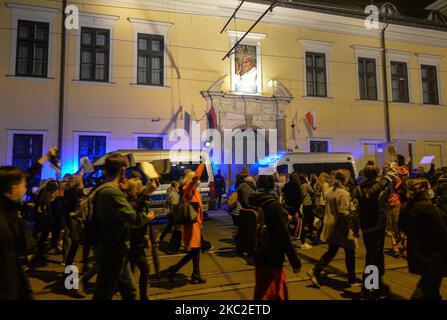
(258, 198)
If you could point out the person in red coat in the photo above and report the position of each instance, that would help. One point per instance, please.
(191, 233)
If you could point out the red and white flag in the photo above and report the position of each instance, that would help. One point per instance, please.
(310, 117)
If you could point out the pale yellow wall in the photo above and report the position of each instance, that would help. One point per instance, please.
(123, 110)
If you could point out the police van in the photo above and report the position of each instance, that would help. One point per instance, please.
(312, 163)
(171, 166)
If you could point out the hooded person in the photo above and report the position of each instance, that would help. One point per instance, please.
(426, 230)
(271, 281)
(373, 222)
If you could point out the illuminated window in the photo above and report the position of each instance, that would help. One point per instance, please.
(26, 150)
(92, 147)
(150, 143)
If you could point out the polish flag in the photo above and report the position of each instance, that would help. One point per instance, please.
(212, 118)
(310, 116)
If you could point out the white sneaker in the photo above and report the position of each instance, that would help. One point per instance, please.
(306, 246)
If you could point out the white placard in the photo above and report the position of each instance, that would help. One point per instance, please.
(427, 160)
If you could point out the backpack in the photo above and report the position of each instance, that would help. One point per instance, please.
(89, 222)
(255, 238)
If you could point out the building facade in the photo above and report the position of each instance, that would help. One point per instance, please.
(133, 69)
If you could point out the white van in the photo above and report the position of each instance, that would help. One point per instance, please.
(170, 166)
(308, 163)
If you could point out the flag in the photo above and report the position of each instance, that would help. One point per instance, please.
(310, 116)
(212, 118)
(187, 122)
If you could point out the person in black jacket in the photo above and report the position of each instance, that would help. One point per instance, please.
(373, 222)
(271, 282)
(14, 237)
(219, 182)
(426, 230)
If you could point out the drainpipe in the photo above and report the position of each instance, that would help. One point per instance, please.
(385, 89)
(62, 82)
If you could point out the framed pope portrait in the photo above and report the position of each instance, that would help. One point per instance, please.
(246, 65)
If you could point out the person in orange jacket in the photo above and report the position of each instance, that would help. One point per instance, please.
(191, 233)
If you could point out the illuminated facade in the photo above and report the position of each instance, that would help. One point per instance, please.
(132, 65)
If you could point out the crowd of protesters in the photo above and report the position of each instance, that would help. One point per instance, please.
(112, 225)
(336, 210)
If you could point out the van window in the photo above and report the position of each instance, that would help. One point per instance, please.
(177, 171)
(317, 168)
(282, 169)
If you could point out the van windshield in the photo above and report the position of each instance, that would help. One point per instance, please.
(178, 171)
(317, 168)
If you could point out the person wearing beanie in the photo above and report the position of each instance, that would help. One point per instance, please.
(271, 282)
(426, 230)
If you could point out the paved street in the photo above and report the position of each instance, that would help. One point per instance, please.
(231, 277)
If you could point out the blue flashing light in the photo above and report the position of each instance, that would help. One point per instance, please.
(271, 159)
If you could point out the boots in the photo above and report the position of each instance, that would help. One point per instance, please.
(196, 278)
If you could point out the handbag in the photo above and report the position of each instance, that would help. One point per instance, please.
(186, 213)
(232, 201)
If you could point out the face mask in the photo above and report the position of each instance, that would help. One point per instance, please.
(430, 194)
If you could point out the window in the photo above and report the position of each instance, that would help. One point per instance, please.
(92, 147)
(430, 84)
(32, 49)
(399, 81)
(150, 143)
(150, 59)
(178, 170)
(367, 79)
(319, 146)
(26, 150)
(317, 168)
(316, 74)
(95, 48)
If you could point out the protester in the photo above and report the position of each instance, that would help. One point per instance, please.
(338, 230)
(14, 237)
(292, 201)
(46, 221)
(307, 194)
(140, 235)
(373, 223)
(173, 200)
(112, 217)
(219, 182)
(426, 229)
(245, 188)
(321, 189)
(271, 281)
(397, 198)
(192, 233)
(76, 233)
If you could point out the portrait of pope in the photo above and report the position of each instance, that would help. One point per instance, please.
(246, 73)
